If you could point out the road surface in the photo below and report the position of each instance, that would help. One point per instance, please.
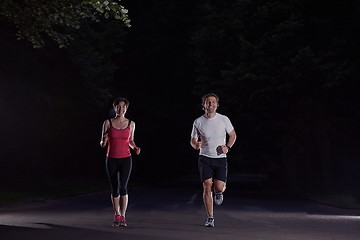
(174, 210)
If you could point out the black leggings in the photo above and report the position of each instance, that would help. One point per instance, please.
(118, 171)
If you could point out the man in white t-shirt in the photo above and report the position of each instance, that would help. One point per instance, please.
(209, 136)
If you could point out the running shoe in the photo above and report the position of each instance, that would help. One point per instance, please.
(210, 222)
(123, 221)
(117, 220)
(218, 198)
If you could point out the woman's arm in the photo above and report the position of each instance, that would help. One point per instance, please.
(132, 143)
(104, 133)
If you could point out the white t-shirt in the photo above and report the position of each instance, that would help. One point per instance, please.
(212, 133)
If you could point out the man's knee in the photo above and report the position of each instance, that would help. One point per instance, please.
(207, 184)
(219, 186)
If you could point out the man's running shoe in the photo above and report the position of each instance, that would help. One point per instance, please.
(117, 220)
(210, 222)
(218, 198)
(123, 221)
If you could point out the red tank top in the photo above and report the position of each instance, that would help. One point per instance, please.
(118, 145)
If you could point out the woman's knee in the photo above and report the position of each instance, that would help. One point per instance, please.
(123, 191)
(115, 194)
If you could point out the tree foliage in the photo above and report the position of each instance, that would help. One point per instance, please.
(92, 55)
(37, 20)
(271, 48)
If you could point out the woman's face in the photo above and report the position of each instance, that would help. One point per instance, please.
(120, 109)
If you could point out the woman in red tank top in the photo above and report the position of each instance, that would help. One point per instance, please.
(118, 133)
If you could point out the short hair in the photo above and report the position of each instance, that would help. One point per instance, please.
(121, 99)
(203, 99)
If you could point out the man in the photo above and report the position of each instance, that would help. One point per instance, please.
(209, 136)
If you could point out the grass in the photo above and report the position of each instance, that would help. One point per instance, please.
(338, 200)
(15, 191)
(334, 195)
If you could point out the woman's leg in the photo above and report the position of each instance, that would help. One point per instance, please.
(125, 172)
(116, 204)
(123, 204)
(112, 172)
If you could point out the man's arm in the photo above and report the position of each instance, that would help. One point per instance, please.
(226, 148)
(195, 143)
(232, 139)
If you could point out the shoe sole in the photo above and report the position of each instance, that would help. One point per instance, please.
(216, 201)
(119, 225)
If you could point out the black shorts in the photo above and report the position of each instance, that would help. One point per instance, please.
(215, 168)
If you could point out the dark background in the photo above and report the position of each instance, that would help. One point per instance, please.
(286, 73)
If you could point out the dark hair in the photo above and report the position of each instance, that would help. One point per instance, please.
(121, 99)
(203, 99)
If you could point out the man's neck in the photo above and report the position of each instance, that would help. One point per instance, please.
(210, 115)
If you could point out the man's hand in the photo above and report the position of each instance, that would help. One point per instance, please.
(222, 149)
(195, 143)
(198, 145)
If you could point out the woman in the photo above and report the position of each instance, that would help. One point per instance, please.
(118, 133)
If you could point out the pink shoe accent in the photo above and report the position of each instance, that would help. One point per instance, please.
(123, 221)
(117, 220)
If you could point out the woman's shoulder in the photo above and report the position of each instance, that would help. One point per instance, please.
(108, 121)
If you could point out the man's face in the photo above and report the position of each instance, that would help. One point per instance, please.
(210, 105)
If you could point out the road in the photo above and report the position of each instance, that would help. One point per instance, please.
(174, 211)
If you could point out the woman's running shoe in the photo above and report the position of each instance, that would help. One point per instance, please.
(117, 220)
(123, 222)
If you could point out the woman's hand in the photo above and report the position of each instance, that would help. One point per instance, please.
(104, 141)
(137, 150)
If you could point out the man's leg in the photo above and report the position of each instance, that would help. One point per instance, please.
(206, 174)
(207, 197)
(220, 177)
(219, 186)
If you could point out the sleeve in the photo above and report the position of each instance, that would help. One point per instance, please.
(194, 132)
(228, 126)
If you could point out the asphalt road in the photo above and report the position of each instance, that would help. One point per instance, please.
(175, 211)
